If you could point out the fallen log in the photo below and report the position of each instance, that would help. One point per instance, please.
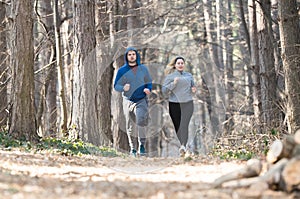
(253, 168)
(275, 151)
(272, 176)
(296, 151)
(291, 175)
(281, 149)
(297, 136)
(283, 169)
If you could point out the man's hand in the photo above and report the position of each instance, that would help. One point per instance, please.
(126, 87)
(147, 91)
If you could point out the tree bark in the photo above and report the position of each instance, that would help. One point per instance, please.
(268, 80)
(51, 114)
(290, 51)
(228, 69)
(22, 123)
(105, 70)
(254, 65)
(60, 72)
(220, 33)
(132, 21)
(84, 109)
(45, 70)
(120, 138)
(3, 68)
(244, 37)
(213, 73)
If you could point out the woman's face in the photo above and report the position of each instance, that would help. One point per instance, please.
(179, 65)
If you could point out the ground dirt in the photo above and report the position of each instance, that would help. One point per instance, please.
(36, 175)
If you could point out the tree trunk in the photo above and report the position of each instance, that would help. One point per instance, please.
(84, 109)
(45, 71)
(132, 20)
(254, 65)
(51, 81)
(3, 69)
(220, 27)
(277, 49)
(105, 69)
(22, 113)
(60, 71)
(120, 138)
(67, 55)
(270, 110)
(215, 88)
(228, 69)
(244, 36)
(290, 40)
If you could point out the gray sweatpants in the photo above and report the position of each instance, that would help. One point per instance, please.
(136, 115)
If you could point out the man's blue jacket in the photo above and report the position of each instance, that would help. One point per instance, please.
(138, 80)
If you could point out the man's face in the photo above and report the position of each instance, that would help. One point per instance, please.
(131, 56)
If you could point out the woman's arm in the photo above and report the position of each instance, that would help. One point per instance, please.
(168, 85)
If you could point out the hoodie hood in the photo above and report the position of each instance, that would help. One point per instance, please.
(138, 58)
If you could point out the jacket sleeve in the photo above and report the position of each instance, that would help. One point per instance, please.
(118, 84)
(148, 80)
(192, 81)
(168, 85)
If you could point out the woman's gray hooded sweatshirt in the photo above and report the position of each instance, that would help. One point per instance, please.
(180, 92)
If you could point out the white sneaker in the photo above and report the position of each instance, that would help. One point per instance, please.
(182, 151)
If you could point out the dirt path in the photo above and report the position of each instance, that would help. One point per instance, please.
(26, 175)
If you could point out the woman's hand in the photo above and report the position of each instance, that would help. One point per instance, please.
(194, 89)
(176, 80)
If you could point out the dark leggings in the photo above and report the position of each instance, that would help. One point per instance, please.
(181, 114)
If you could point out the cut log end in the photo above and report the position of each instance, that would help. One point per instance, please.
(281, 149)
(297, 136)
(275, 151)
(283, 171)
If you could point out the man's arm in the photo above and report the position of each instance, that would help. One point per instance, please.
(118, 84)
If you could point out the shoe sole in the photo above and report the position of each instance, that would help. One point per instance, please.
(142, 154)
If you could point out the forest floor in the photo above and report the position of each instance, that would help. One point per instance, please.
(42, 175)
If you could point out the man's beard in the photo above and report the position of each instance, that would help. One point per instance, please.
(132, 62)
